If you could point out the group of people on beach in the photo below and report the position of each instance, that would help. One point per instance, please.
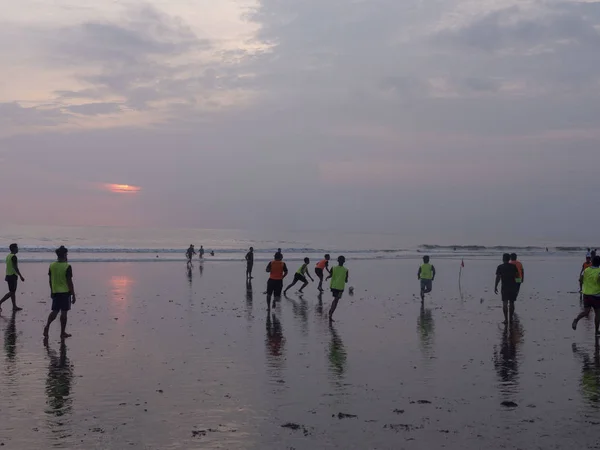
(62, 290)
(278, 271)
(191, 251)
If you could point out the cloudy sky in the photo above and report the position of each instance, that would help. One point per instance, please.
(408, 116)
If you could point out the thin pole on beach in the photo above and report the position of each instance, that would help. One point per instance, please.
(462, 264)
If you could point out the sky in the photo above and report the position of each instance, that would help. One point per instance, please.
(472, 118)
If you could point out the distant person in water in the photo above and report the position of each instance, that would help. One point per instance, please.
(339, 277)
(320, 269)
(591, 294)
(589, 253)
(585, 265)
(277, 270)
(521, 278)
(426, 275)
(190, 253)
(62, 291)
(301, 275)
(249, 263)
(212, 253)
(507, 273)
(12, 277)
(201, 252)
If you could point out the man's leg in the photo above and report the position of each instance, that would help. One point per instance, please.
(505, 310)
(582, 314)
(6, 297)
(511, 309)
(303, 286)
(51, 318)
(289, 287)
(63, 325)
(320, 275)
(428, 287)
(422, 291)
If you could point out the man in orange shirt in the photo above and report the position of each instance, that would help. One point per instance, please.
(521, 278)
(278, 271)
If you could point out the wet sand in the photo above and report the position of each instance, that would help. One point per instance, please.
(162, 360)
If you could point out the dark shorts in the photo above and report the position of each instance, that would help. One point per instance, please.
(298, 277)
(426, 285)
(12, 281)
(337, 292)
(274, 287)
(591, 301)
(249, 267)
(319, 273)
(61, 302)
(510, 296)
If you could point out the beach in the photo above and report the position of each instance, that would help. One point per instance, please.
(161, 358)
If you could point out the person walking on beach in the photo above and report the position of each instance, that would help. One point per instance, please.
(339, 277)
(12, 277)
(426, 275)
(507, 273)
(521, 278)
(190, 252)
(591, 294)
(300, 275)
(320, 269)
(277, 270)
(585, 265)
(201, 252)
(249, 263)
(60, 274)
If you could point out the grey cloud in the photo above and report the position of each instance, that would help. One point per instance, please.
(13, 114)
(95, 109)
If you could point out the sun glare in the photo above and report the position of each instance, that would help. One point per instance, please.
(123, 188)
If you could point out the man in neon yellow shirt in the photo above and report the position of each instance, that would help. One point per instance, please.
(426, 275)
(63, 291)
(12, 277)
(339, 278)
(591, 294)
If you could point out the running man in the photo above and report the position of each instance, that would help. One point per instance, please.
(591, 294)
(63, 291)
(190, 252)
(12, 277)
(278, 271)
(586, 264)
(521, 278)
(300, 275)
(426, 274)
(320, 269)
(339, 278)
(249, 263)
(508, 274)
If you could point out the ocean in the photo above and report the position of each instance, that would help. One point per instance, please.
(120, 244)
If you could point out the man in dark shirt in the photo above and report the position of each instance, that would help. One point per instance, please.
(508, 274)
(249, 263)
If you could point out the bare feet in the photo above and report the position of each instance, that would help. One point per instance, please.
(65, 335)
(574, 324)
(16, 308)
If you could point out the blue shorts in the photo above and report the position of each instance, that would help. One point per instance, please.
(61, 302)
(426, 285)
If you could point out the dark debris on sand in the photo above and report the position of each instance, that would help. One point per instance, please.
(346, 416)
(295, 427)
(509, 404)
(398, 411)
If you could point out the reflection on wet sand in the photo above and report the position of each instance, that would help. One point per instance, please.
(190, 275)
(275, 344)
(300, 309)
(319, 307)
(58, 392)
(10, 345)
(426, 331)
(249, 299)
(337, 356)
(507, 356)
(590, 375)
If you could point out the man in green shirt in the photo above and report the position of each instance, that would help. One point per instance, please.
(12, 277)
(60, 275)
(339, 278)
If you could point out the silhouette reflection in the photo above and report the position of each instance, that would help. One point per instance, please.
(300, 309)
(590, 374)
(337, 355)
(201, 267)
(319, 307)
(10, 339)
(275, 344)
(190, 275)
(249, 299)
(58, 391)
(426, 331)
(507, 355)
